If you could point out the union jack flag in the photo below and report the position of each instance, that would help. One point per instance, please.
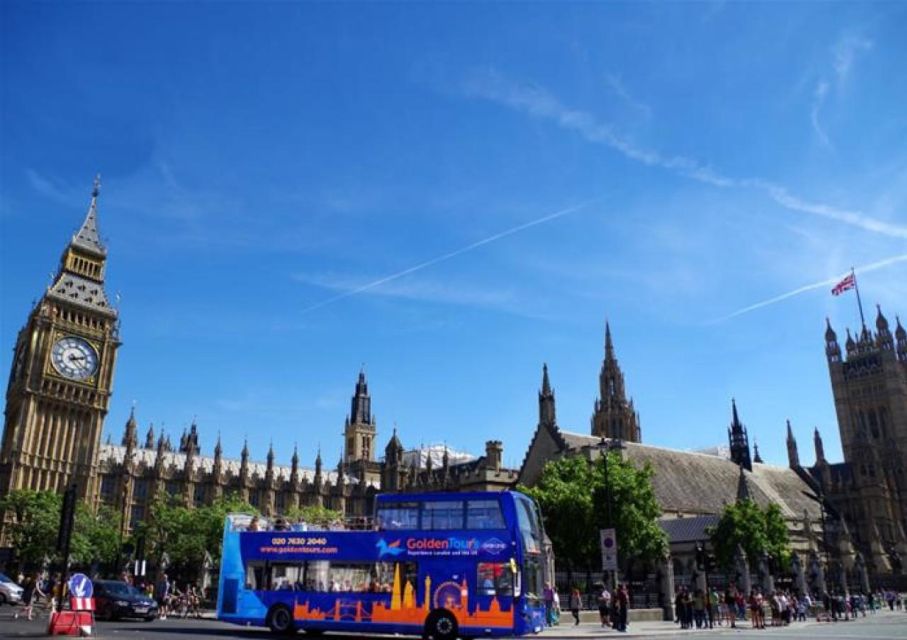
(847, 283)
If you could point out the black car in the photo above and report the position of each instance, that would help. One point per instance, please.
(115, 599)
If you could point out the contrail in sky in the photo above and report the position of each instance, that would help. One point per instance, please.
(447, 256)
(881, 264)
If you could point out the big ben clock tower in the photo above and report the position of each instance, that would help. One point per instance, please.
(60, 382)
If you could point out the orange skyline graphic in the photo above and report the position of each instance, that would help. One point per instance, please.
(403, 608)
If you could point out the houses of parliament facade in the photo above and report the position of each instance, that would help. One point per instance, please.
(60, 385)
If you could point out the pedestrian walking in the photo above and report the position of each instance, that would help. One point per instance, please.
(163, 591)
(576, 602)
(29, 590)
(548, 594)
(730, 602)
(623, 600)
(604, 606)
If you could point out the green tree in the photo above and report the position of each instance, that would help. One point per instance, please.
(564, 494)
(758, 531)
(35, 521)
(314, 514)
(186, 535)
(579, 497)
(95, 536)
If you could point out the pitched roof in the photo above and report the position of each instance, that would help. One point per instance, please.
(691, 482)
(73, 288)
(687, 529)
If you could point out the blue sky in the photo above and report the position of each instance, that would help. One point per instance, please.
(454, 194)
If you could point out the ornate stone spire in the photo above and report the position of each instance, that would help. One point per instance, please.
(87, 237)
(244, 461)
(218, 457)
(149, 437)
(756, 457)
(547, 410)
(820, 448)
(614, 416)
(832, 348)
(743, 489)
(393, 452)
(130, 434)
(739, 440)
(793, 457)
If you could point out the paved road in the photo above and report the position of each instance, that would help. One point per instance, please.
(883, 626)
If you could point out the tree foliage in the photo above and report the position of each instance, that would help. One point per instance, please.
(314, 514)
(758, 531)
(35, 523)
(96, 536)
(574, 495)
(186, 537)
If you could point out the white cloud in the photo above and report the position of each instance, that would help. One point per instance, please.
(617, 86)
(818, 100)
(541, 104)
(844, 54)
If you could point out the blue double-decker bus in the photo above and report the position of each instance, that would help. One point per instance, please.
(439, 565)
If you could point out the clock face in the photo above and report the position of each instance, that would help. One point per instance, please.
(74, 358)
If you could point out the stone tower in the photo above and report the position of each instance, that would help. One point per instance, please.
(739, 440)
(359, 430)
(614, 416)
(869, 384)
(60, 383)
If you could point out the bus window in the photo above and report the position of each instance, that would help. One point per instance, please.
(317, 575)
(397, 515)
(255, 576)
(442, 514)
(532, 578)
(484, 514)
(530, 530)
(495, 579)
(286, 577)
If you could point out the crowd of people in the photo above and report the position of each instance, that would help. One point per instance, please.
(41, 590)
(709, 608)
(171, 600)
(613, 608)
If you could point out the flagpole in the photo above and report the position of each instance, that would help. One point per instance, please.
(859, 302)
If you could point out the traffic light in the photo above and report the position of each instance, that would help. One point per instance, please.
(700, 557)
(711, 562)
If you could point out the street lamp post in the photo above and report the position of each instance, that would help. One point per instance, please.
(605, 447)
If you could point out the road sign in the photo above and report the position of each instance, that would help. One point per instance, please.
(80, 586)
(608, 543)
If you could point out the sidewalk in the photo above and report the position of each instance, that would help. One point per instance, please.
(583, 631)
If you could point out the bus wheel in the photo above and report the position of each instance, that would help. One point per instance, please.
(280, 620)
(441, 625)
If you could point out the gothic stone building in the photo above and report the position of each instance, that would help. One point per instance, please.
(58, 395)
(869, 489)
(822, 505)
